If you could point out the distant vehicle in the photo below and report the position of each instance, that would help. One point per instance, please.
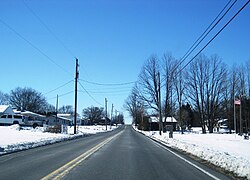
(29, 121)
(9, 119)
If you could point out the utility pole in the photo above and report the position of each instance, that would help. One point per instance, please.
(241, 114)
(106, 113)
(76, 80)
(142, 115)
(56, 107)
(159, 96)
(111, 115)
(235, 127)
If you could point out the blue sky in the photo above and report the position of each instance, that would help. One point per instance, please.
(111, 39)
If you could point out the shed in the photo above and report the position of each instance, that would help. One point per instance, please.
(154, 122)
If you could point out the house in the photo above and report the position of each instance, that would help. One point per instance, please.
(154, 123)
(31, 118)
(57, 120)
(102, 121)
(221, 126)
(71, 117)
(96, 121)
(6, 109)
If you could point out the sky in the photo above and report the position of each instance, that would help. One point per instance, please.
(39, 41)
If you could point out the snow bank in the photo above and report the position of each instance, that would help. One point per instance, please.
(228, 151)
(13, 138)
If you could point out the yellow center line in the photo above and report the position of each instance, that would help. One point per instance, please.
(65, 169)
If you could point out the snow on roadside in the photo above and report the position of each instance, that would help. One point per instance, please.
(13, 138)
(228, 151)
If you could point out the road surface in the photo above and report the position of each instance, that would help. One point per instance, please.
(121, 154)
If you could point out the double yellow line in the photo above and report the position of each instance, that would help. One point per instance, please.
(65, 169)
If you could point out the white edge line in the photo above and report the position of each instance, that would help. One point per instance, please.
(187, 161)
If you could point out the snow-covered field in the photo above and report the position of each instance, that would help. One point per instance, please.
(228, 151)
(12, 138)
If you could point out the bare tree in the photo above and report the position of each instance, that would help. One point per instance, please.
(178, 82)
(248, 94)
(133, 105)
(242, 95)
(93, 114)
(27, 99)
(66, 109)
(206, 79)
(231, 88)
(150, 86)
(196, 83)
(169, 68)
(4, 98)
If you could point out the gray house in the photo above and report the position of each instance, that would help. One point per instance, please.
(53, 120)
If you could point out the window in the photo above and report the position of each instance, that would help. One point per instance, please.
(9, 116)
(17, 117)
(3, 116)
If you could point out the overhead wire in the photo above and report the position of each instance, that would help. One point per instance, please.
(108, 92)
(108, 84)
(231, 19)
(51, 32)
(211, 26)
(35, 47)
(49, 58)
(59, 87)
(48, 29)
(61, 95)
(89, 94)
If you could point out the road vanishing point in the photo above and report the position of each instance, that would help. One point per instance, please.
(117, 155)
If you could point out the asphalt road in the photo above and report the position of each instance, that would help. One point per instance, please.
(121, 154)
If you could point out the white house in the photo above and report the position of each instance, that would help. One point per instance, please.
(154, 122)
(168, 119)
(6, 109)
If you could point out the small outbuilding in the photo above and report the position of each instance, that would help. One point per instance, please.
(168, 121)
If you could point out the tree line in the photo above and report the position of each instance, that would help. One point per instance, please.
(28, 99)
(197, 95)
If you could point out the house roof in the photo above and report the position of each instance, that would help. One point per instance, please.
(6, 109)
(29, 113)
(168, 119)
(60, 117)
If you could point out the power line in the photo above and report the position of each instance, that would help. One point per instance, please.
(58, 87)
(90, 94)
(215, 36)
(206, 32)
(61, 95)
(48, 29)
(108, 92)
(103, 84)
(32, 45)
(111, 88)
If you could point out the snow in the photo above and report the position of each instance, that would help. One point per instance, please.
(14, 138)
(228, 151)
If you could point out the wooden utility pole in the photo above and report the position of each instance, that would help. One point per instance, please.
(106, 113)
(142, 115)
(159, 106)
(56, 107)
(111, 115)
(76, 80)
